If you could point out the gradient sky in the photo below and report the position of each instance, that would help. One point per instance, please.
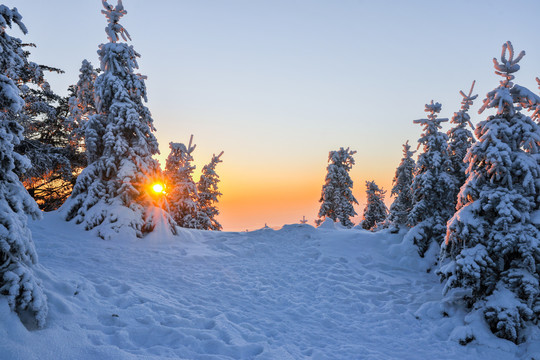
(277, 84)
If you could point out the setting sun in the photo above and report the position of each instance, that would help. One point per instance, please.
(158, 188)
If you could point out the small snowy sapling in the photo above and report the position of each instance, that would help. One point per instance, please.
(432, 186)
(337, 199)
(182, 191)
(375, 211)
(460, 140)
(402, 190)
(208, 194)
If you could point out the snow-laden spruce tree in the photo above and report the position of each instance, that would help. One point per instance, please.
(432, 186)
(460, 140)
(181, 189)
(207, 188)
(402, 190)
(531, 102)
(46, 139)
(492, 244)
(337, 198)
(82, 104)
(112, 193)
(17, 253)
(375, 211)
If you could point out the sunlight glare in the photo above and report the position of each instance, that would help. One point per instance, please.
(158, 188)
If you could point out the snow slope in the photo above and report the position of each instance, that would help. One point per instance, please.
(294, 293)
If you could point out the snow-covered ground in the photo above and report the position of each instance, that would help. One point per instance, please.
(293, 293)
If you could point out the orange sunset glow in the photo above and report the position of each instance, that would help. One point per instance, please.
(254, 196)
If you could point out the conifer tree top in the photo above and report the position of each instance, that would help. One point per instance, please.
(506, 94)
(468, 99)
(506, 67)
(113, 15)
(179, 156)
(217, 159)
(433, 109)
(185, 150)
(343, 157)
(461, 118)
(407, 153)
(8, 17)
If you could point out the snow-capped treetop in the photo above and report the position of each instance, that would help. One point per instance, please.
(8, 17)
(113, 16)
(343, 157)
(467, 100)
(506, 67)
(510, 95)
(432, 124)
(407, 153)
(506, 94)
(433, 109)
(180, 154)
(461, 138)
(210, 169)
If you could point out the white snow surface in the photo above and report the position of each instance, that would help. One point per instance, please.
(293, 293)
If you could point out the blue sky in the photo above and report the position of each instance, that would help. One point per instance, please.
(278, 84)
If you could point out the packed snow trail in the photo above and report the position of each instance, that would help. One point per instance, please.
(295, 293)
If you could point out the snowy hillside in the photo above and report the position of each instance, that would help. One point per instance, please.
(294, 293)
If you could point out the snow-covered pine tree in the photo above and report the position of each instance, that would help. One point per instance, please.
(336, 197)
(492, 244)
(433, 186)
(81, 103)
(46, 141)
(208, 192)
(56, 160)
(375, 211)
(112, 193)
(536, 117)
(402, 190)
(460, 140)
(17, 253)
(182, 190)
(531, 102)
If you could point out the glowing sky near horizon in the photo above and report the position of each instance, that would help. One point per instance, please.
(278, 84)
